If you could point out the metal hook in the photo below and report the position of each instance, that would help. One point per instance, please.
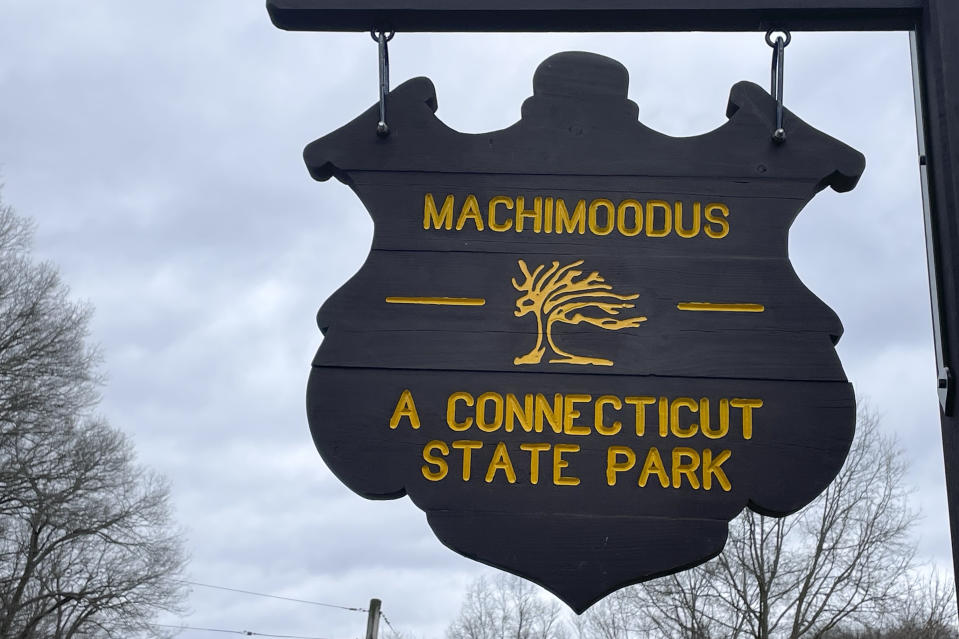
(381, 38)
(779, 59)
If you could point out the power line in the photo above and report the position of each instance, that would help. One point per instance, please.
(383, 614)
(261, 594)
(247, 633)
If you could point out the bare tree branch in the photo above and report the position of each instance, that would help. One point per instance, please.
(87, 542)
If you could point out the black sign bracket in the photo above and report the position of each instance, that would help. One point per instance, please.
(776, 85)
(382, 38)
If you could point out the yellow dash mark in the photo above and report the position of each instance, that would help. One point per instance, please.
(724, 308)
(438, 301)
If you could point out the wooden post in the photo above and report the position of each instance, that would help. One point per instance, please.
(373, 620)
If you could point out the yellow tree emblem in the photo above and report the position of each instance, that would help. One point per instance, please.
(557, 294)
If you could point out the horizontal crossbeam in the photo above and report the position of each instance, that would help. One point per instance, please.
(595, 15)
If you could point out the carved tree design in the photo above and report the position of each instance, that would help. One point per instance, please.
(556, 294)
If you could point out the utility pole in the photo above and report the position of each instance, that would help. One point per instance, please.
(373, 621)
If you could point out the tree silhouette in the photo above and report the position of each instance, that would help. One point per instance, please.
(844, 567)
(556, 295)
(88, 544)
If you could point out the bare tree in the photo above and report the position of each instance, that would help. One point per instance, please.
(614, 617)
(47, 370)
(928, 612)
(87, 542)
(507, 608)
(842, 568)
(843, 562)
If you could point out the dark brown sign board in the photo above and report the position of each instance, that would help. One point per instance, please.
(578, 344)
(931, 24)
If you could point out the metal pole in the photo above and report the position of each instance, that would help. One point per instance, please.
(935, 57)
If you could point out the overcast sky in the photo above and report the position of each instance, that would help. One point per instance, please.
(158, 146)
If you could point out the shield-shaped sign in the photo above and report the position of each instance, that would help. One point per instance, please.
(578, 344)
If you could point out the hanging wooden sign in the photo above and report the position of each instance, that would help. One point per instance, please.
(578, 344)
